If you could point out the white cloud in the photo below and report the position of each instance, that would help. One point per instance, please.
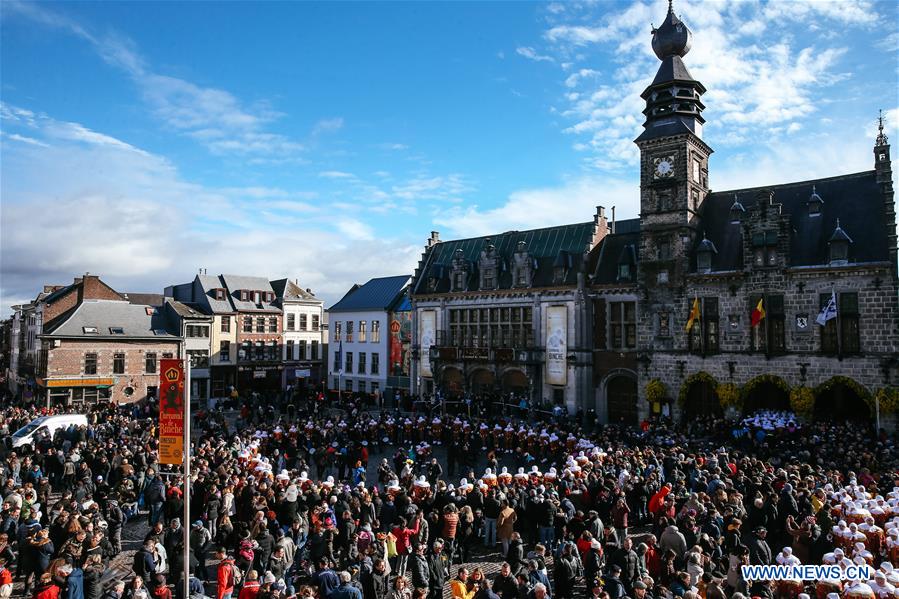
(24, 139)
(573, 201)
(336, 175)
(532, 54)
(148, 227)
(755, 86)
(432, 188)
(328, 126)
(355, 229)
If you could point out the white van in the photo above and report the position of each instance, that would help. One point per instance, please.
(49, 424)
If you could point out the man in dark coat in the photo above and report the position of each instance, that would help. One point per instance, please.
(759, 550)
(375, 584)
(438, 570)
(145, 562)
(565, 574)
(419, 568)
(515, 556)
(612, 583)
(626, 559)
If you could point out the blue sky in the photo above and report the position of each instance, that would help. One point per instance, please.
(143, 140)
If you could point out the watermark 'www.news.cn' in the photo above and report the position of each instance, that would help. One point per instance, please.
(805, 572)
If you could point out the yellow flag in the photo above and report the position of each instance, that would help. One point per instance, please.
(694, 314)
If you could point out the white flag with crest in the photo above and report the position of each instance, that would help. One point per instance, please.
(829, 311)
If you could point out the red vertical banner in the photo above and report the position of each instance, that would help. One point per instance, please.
(171, 412)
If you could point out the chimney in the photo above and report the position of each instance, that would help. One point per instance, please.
(600, 226)
(433, 240)
(309, 290)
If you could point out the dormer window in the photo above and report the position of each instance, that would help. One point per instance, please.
(560, 267)
(815, 203)
(736, 211)
(626, 261)
(704, 255)
(458, 282)
(838, 246)
(220, 294)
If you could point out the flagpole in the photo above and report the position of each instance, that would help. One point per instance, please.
(186, 522)
(836, 304)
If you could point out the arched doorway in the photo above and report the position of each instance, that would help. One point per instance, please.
(515, 381)
(621, 398)
(482, 381)
(701, 398)
(839, 400)
(453, 383)
(766, 395)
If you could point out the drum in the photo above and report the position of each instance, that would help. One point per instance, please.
(824, 587)
(789, 589)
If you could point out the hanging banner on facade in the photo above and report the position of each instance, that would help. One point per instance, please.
(171, 411)
(556, 345)
(400, 341)
(427, 325)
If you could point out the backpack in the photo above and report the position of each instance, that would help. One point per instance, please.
(237, 574)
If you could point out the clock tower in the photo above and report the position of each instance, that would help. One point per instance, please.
(673, 170)
(673, 158)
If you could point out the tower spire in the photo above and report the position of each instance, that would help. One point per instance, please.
(881, 136)
(673, 102)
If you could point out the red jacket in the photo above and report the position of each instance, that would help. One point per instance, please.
(47, 591)
(225, 578)
(402, 537)
(250, 590)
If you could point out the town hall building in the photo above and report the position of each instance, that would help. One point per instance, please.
(780, 296)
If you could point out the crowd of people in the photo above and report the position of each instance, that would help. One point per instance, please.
(299, 499)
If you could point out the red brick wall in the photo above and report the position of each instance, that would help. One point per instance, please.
(89, 287)
(254, 336)
(67, 360)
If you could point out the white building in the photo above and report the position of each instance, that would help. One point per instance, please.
(301, 329)
(359, 344)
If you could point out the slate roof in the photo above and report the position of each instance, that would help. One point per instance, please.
(287, 289)
(137, 322)
(145, 299)
(672, 69)
(544, 245)
(187, 310)
(234, 283)
(623, 245)
(376, 294)
(402, 304)
(855, 199)
(207, 284)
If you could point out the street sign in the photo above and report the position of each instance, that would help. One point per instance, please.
(171, 411)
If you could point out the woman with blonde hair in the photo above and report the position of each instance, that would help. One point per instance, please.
(466, 533)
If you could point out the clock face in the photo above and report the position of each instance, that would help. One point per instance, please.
(664, 166)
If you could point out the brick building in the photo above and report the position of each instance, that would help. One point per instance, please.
(259, 337)
(780, 249)
(28, 322)
(104, 350)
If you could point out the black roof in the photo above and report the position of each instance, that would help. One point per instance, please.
(565, 244)
(855, 199)
(623, 246)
